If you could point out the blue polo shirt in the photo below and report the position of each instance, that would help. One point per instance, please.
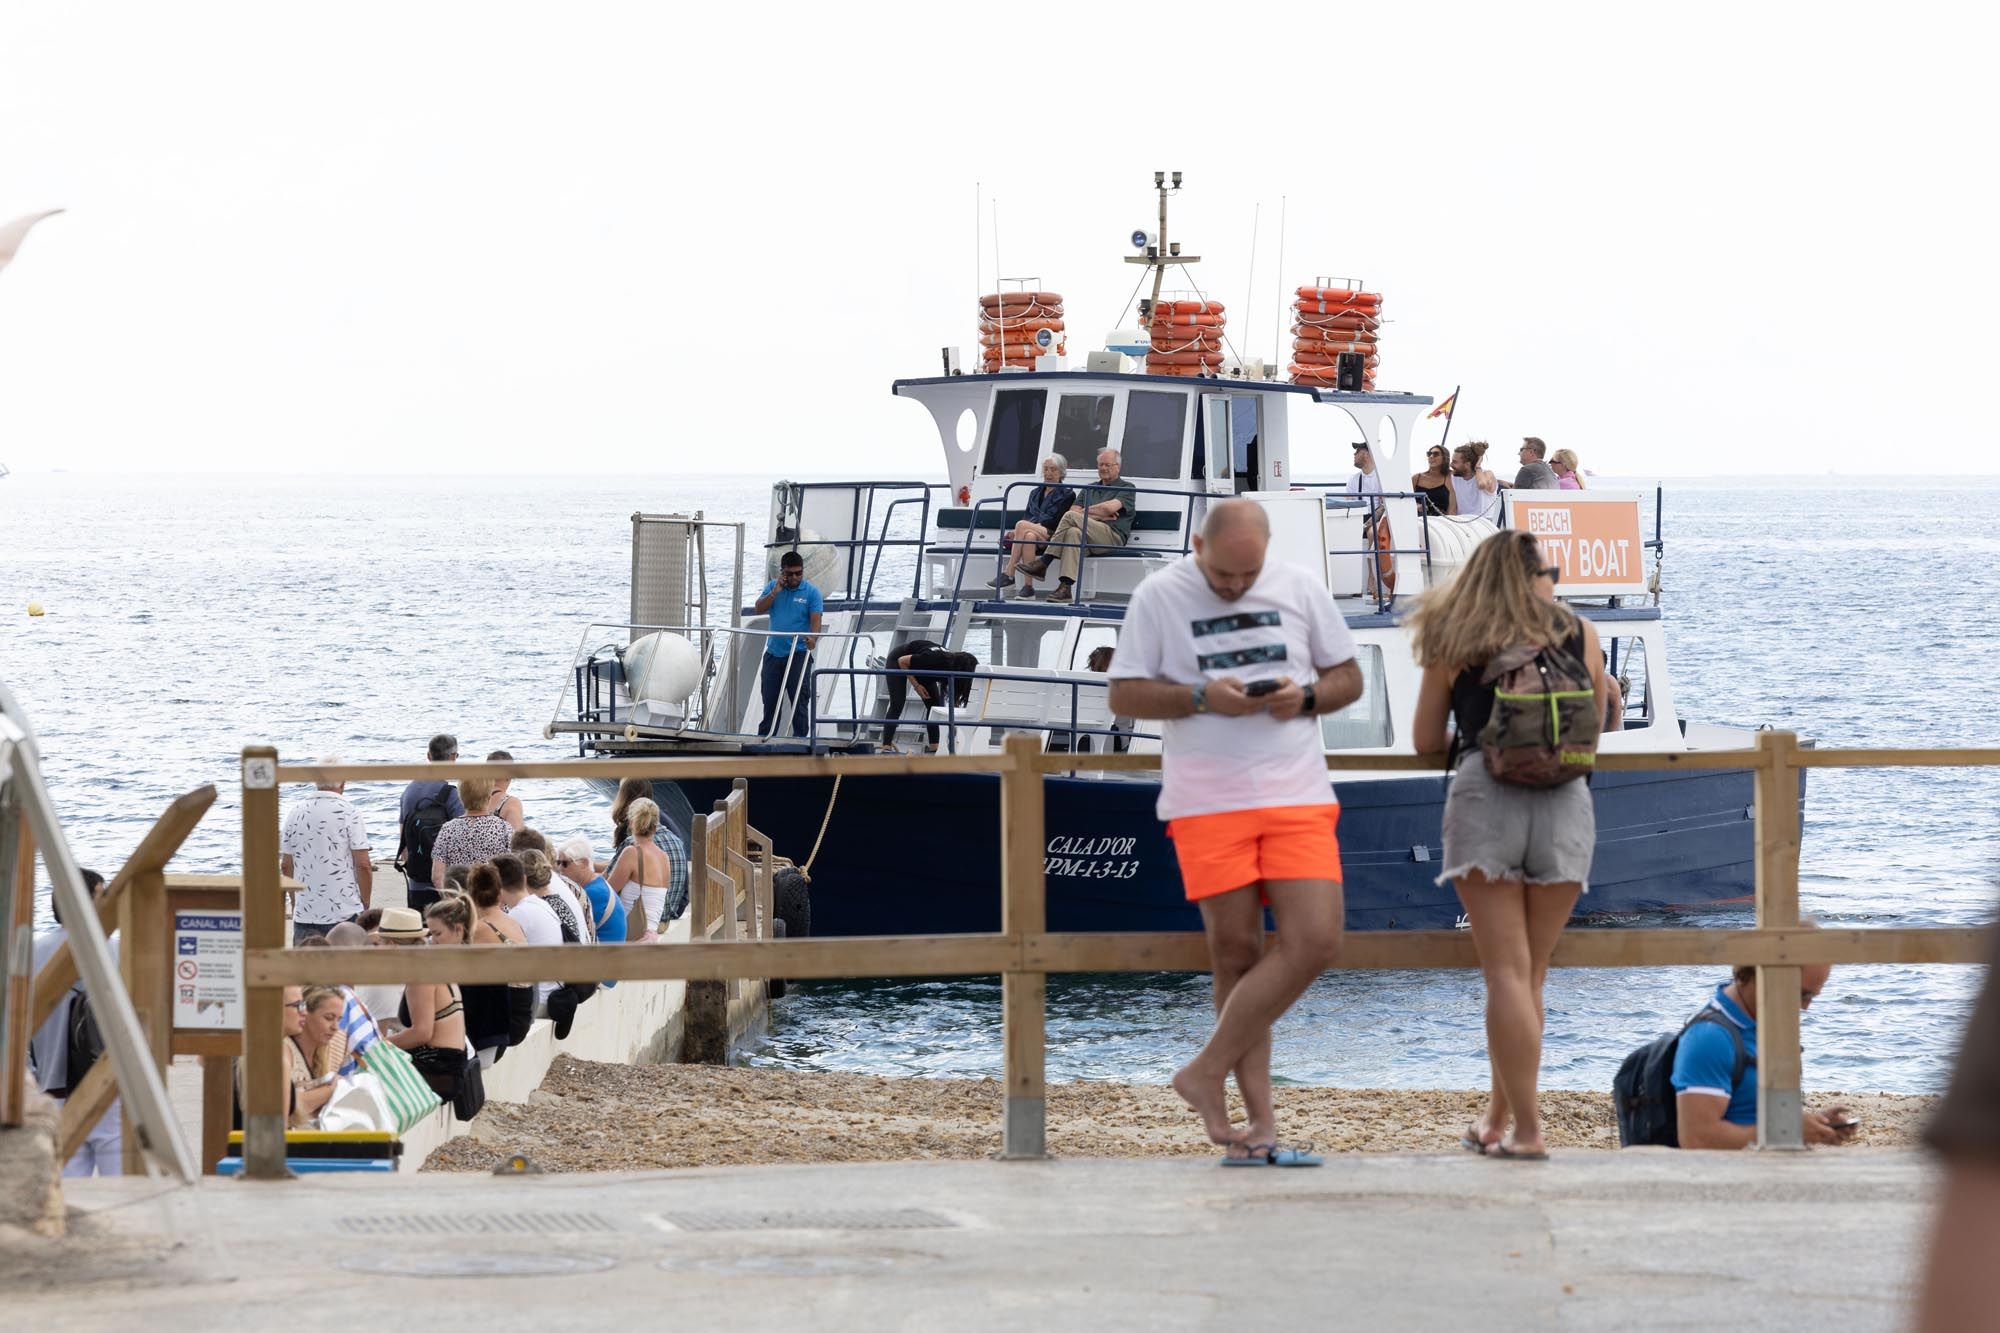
(1706, 1058)
(792, 611)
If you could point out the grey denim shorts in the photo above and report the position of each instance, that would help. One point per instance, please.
(1508, 832)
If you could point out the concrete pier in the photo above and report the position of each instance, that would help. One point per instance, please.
(1643, 1239)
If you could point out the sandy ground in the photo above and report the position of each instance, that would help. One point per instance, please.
(599, 1117)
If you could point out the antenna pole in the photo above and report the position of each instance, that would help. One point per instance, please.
(978, 242)
(1277, 341)
(1250, 287)
(1160, 269)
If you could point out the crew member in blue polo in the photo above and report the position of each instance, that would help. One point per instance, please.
(795, 607)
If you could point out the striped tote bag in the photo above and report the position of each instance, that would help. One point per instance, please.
(410, 1096)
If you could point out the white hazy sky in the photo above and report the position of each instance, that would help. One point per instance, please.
(1679, 239)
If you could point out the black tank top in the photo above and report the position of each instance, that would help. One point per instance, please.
(1472, 698)
(1438, 496)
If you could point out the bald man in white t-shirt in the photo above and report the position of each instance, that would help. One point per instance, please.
(1240, 656)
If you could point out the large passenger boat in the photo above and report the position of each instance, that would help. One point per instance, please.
(901, 561)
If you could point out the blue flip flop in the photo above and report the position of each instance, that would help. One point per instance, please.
(1271, 1154)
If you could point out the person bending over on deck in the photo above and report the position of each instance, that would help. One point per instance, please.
(922, 659)
(1244, 790)
(1517, 855)
(1104, 513)
(1047, 503)
(1712, 1108)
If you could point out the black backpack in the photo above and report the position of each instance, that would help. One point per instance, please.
(420, 830)
(1643, 1092)
(84, 1042)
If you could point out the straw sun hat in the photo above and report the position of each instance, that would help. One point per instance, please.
(401, 923)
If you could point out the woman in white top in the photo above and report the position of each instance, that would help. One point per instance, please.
(641, 871)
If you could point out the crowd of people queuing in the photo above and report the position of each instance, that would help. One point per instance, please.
(477, 874)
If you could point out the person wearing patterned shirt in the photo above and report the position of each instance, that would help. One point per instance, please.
(1241, 656)
(325, 847)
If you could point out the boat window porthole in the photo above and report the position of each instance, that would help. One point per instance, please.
(967, 431)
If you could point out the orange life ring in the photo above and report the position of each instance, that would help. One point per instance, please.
(1183, 358)
(1331, 365)
(1031, 322)
(1385, 560)
(1326, 375)
(1172, 340)
(1329, 354)
(1180, 372)
(1018, 336)
(1336, 322)
(1306, 335)
(1188, 307)
(1341, 296)
(1187, 321)
(1020, 298)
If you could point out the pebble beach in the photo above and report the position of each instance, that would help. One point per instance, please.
(601, 1117)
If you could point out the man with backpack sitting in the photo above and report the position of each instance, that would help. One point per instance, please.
(1697, 1088)
(426, 806)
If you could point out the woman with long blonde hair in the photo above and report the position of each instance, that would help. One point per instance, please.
(1569, 476)
(1518, 856)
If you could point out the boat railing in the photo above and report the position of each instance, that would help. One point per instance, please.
(961, 724)
(862, 551)
(1083, 548)
(604, 704)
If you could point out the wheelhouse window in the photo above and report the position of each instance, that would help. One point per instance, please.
(1363, 724)
(1014, 439)
(1083, 427)
(1154, 426)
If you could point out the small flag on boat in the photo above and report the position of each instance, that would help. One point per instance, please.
(1443, 409)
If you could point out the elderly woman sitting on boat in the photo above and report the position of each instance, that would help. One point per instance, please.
(1046, 505)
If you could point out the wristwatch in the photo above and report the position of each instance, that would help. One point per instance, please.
(1311, 703)
(1200, 700)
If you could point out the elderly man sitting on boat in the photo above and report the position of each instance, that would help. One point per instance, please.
(1103, 514)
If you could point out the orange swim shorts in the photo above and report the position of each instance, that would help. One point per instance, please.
(1237, 848)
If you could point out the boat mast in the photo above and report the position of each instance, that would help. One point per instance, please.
(1162, 252)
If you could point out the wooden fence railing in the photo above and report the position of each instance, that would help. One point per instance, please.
(1024, 952)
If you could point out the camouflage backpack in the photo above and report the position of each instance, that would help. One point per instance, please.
(1544, 727)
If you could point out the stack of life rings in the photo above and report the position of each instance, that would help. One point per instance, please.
(1327, 321)
(1012, 325)
(1187, 338)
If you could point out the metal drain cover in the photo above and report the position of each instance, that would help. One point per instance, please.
(531, 1264)
(832, 1219)
(478, 1224)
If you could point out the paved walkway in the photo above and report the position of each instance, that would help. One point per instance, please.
(1650, 1240)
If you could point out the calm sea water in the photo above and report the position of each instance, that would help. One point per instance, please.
(188, 617)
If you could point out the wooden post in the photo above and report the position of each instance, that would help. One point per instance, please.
(1023, 994)
(264, 1090)
(1780, 1105)
(144, 943)
(217, 1085)
(20, 977)
(701, 908)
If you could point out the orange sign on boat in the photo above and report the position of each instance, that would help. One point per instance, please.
(1592, 536)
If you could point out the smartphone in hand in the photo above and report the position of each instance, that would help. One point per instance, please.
(1258, 688)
